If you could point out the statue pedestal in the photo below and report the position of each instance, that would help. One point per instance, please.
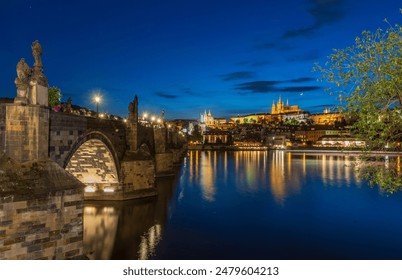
(22, 93)
(27, 132)
(38, 95)
(20, 100)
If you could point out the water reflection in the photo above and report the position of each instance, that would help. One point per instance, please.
(281, 172)
(249, 205)
(129, 229)
(100, 225)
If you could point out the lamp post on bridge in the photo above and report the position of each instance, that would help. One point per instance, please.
(97, 99)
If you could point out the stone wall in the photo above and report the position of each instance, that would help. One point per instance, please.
(160, 138)
(146, 136)
(65, 130)
(27, 132)
(138, 174)
(68, 130)
(93, 164)
(45, 228)
(2, 127)
(164, 164)
(41, 211)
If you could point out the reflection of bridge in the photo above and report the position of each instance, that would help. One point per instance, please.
(114, 159)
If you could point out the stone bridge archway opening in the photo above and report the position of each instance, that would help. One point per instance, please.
(94, 164)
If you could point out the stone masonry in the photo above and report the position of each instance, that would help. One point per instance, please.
(40, 211)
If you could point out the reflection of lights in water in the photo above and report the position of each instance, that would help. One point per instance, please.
(386, 162)
(149, 241)
(108, 210)
(398, 165)
(100, 226)
(278, 187)
(181, 195)
(331, 167)
(89, 210)
(207, 178)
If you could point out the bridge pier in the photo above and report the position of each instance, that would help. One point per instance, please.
(27, 132)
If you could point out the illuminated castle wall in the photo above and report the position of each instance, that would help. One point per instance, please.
(280, 108)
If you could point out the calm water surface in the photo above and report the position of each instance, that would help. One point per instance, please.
(251, 205)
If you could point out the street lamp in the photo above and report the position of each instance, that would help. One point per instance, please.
(97, 99)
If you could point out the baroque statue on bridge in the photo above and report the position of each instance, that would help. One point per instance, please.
(22, 81)
(36, 52)
(23, 72)
(38, 74)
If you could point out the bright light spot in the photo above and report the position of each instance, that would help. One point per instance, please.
(124, 120)
(89, 189)
(159, 120)
(145, 115)
(101, 115)
(153, 118)
(108, 189)
(97, 98)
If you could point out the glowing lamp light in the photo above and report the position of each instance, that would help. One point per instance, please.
(89, 189)
(108, 189)
(153, 118)
(145, 115)
(159, 120)
(97, 100)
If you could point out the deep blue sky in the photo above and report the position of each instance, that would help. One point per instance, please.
(184, 56)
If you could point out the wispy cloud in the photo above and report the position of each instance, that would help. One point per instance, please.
(258, 86)
(301, 80)
(254, 63)
(275, 86)
(240, 75)
(297, 89)
(324, 12)
(165, 95)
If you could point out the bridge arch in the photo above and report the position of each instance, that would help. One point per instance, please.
(94, 161)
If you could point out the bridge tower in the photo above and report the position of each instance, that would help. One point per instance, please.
(132, 133)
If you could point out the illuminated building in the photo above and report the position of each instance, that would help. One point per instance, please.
(251, 119)
(215, 137)
(327, 117)
(207, 119)
(333, 141)
(280, 108)
(311, 134)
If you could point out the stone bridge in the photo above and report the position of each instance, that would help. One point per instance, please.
(51, 161)
(115, 159)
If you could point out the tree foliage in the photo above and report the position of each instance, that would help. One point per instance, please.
(367, 79)
(54, 96)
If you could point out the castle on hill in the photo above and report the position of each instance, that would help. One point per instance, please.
(280, 108)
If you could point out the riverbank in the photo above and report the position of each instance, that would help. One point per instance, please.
(309, 150)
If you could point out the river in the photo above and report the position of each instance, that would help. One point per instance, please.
(251, 205)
